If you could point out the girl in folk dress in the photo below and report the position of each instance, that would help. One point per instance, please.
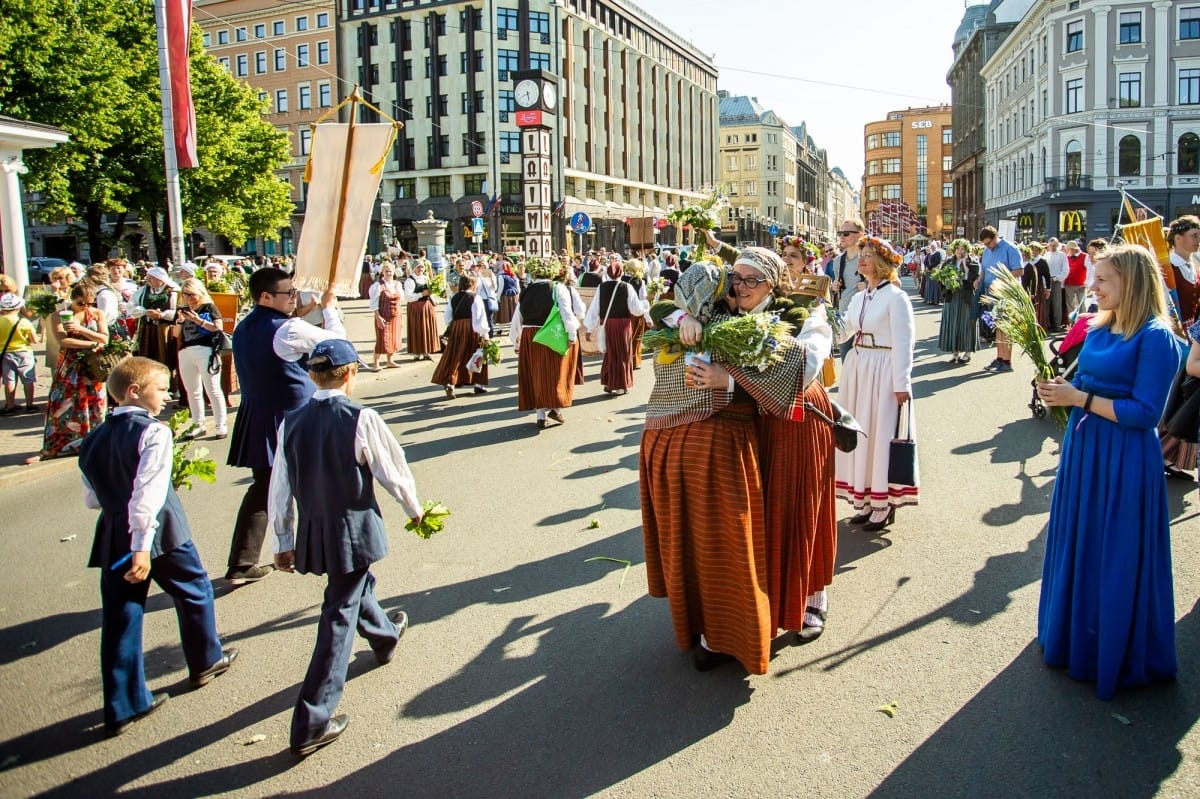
(385, 295)
(545, 379)
(876, 381)
(467, 331)
(157, 298)
(959, 333)
(423, 335)
(509, 289)
(615, 306)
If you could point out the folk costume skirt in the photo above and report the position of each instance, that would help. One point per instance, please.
(545, 379)
(639, 329)
(958, 332)
(452, 368)
(616, 372)
(387, 334)
(702, 508)
(801, 508)
(508, 304)
(423, 333)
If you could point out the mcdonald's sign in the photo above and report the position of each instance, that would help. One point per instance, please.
(1025, 222)
(1072, 221)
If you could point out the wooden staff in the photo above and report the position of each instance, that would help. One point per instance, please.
(341, 217)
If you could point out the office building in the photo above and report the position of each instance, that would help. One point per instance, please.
(909, 166)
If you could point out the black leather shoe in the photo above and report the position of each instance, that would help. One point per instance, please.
(336, 726)
(384, 656)
(861, 518)
(480, 390)
(811, 632)
(215, 670)
(875, 527)
(707, 660)
(120, 727)
(541, 424)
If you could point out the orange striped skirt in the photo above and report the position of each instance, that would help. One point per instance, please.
(545, 379)
(616, 372)
(801, 512)
(701, 507)
(452, 367)
(423, 333)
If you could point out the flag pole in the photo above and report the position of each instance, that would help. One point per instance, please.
(341, 216)
(170, 161)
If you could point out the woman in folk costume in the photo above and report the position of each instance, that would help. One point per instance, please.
(876, 383)
(385, 295)
(615, 306)
(467, 331)
(959, 333)
(545, 379)
(509, 289)
(567, 278)
(423, 335)
(157, 298)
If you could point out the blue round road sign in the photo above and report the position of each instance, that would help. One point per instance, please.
(773, 230)
(581, 222)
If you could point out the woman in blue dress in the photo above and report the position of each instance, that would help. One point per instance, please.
(1107, 611)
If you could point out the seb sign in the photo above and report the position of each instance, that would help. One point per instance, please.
(921, 124)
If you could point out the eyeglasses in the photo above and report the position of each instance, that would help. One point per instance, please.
(748, 282)
(293, 293)
(848, 232)
(194, 294)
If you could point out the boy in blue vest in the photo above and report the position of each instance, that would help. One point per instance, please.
(322, 508)
(142, 532)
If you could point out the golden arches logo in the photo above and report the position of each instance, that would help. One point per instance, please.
(1070, 221)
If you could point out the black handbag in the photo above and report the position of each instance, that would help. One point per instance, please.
(902, 458)
(1183, 409)
(846, 428)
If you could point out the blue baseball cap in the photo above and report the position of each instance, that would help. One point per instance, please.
(332, 353)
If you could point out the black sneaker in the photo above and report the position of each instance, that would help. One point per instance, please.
(251, 574)
(1004, 366)
(994, 366)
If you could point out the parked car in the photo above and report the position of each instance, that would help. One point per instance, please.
(40, 268)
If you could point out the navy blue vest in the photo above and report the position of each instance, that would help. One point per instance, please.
(339, 528)
(109, 460)
(270, 387)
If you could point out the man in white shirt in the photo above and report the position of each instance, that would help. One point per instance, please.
(1056, 259)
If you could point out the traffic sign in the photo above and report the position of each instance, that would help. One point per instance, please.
(476, 227)
(476, 208)
(581, 222)
(773, 230)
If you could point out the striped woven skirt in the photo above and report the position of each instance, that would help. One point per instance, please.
(545, 379)
(423, 333)
(508, 304)
(452, 367)
(801, 508)
(702, 504)
(639, 329)
(616, 373)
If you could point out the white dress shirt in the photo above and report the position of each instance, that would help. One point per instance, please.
(374, 446)
(595, 314)
(1059, 268)
(296, 338)
(150, 484)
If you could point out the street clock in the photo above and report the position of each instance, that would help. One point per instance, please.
(535, 90)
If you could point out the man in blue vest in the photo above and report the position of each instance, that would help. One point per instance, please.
(270, 349)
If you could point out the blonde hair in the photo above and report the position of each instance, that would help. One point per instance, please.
(134, 371)
(63, 271)
(195, 286)
(1142, 297)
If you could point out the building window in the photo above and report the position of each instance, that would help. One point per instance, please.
(947, 136)
(224, 62)
(1129, 156)
(301, 24)
(539, 26)
(322, 52)
(1074, 153)
(510, 142)
(539, 60)
(732, 163)
(1188, 162)
(240, 34)
(1189, 23)
(302, 55)
(891, 191)
(891, 166)
(207, 40)
(751, 188)
(280, 59)
(281, 101)
(1189, 86)
(305, 140)
(1075, 36)
(947, 163)
(439, 186)
(473, 184)
(872, 167)
(1130, 89)
(243, 66)
(473, 144)
(1074, 99)
(1130, 23)
(506, 20)
(222, 37)
(277, 27)
(891, 139)
(466, 103)
(304, 100)
(508, 60)
(505, 102)
(872, 141)
(260, 62)
(260, 30)
(324, 95)
(510, 184)
(406, 188)
(947, 189)
(872, 192)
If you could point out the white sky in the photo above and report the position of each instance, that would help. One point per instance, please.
(889, 54)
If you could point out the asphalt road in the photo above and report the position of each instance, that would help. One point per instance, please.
(532, 670)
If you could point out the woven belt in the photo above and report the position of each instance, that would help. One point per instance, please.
(859, 342)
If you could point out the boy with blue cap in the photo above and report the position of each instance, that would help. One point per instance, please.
(322, 508)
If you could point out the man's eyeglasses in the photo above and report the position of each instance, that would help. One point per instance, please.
(848, 232)
(293, 293)
(748, 282)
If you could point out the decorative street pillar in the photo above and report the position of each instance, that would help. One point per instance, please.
(431, 237)
(535, 93)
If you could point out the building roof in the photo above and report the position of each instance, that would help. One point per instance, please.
(973, 17)
(741, 110)
(30, 135)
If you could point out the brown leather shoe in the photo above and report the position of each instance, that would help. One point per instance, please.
(336, 726)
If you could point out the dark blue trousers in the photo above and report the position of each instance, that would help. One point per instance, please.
(181, 575)
(349, 604)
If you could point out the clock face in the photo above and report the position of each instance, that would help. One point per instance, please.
(550, 96)
(526, 93)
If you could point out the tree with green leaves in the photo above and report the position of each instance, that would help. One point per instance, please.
(90, 67)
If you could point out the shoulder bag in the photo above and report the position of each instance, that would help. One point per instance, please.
(902, 458)
(601, 344)
(553, 332)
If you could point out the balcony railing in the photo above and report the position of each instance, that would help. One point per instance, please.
(1069, 183)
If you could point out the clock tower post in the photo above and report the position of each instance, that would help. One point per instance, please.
(535, 93)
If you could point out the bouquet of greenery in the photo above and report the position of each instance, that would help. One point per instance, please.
(1013, 314)
(655, 287)
(44, 303)
(185, 465)
(704, 215)
(947, 276)
(491, 352)
(437, 285)
(433, 514)
(752, 340)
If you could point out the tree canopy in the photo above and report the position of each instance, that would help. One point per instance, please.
(90, 67)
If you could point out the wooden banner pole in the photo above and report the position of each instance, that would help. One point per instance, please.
(341, 217)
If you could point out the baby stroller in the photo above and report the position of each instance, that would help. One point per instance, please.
(1066, 354)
